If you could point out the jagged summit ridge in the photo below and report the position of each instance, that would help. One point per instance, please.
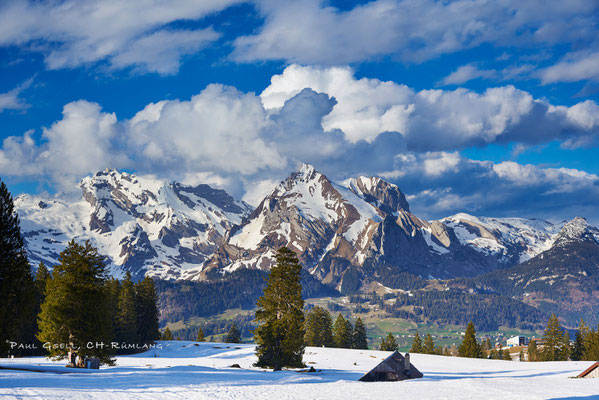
(142, 224)
(363, 228)
(576, 230)
(346, 233)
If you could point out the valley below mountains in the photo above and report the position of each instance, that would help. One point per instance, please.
(348, 235)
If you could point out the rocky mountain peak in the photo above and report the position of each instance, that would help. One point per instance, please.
(576, 230)
(380, 193)
(142, 224)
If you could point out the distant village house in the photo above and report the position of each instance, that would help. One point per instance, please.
(516, 341)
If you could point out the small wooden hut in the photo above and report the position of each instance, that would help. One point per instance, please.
(393, 368)
(590, 372)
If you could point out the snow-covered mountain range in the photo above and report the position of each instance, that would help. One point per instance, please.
(345, 233)
(143, 225)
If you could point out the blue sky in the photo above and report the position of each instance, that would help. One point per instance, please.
(484, 107)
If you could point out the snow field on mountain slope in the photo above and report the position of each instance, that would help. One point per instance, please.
(188, 370)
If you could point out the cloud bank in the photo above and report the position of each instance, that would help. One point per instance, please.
(344, 126)
(412, 31)
(137, 34)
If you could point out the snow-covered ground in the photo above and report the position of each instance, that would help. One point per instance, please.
(189, 370)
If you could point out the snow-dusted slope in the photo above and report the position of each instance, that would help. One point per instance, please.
(141, 224)
(516, 239)
(345, 233)
(308, 213)
(188, 370)
(362, 229)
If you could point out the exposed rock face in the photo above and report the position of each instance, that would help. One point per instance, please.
(346, 234)
(362, 230)
(563, 279)
(142, 225)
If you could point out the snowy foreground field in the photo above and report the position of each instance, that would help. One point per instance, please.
(189, 370)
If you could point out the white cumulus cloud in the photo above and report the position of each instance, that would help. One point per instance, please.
(434, 119)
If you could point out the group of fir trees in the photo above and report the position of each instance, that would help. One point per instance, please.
(388, 343)
(428, 347)
(500, 355)
(586, 343)
(76, 307)
(556, 342)
(92, 314)
(233, 335)
(321, 332)
(134, 310)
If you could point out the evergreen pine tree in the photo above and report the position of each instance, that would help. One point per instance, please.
(76, 309)
(389, 343)
(342, 333)
(521, 356)
(470, 347)
(494, 354)
(319, 331)
(167, 334)
(233, 335)
(429, 345)
(146, 308)
(416, 344)
(126, 319)
(554, 346)
(578, 348)
(359, 337)
(533, 351)
(486, 344)
(280, 333)
(200, 337)
(17, 292)
(113, 290)
(591, 345)
(42, 276)
(566, 349)
(506, 355)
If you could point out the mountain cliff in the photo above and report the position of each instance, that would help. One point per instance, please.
(347, 234)
(143, 225)
(361, 230)
(564, 279)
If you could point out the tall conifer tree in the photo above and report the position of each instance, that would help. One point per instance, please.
(167, 334)
(555, 347)
(578, 348)
(470, 347)
(280, 333)
(126, 319)
(233, 336)
(17, 293)
(591, 345)
(200, 337)
(146, 306)
(429, 345)
(389, 343)
(342, 333)
(533, 351)
(416, 344)
(359, 337)
(76, 309)
(319, 331)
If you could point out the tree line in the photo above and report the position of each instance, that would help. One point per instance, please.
(96, 316)
(76, 307)
(322, 332)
